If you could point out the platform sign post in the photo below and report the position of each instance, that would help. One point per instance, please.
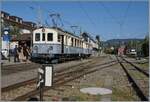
(6, 42)
(40, 82)
(45, 76)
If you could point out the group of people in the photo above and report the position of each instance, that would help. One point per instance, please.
(21, 53)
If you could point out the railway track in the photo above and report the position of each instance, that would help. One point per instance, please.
(139, 69)
(31, 81)
(63, 80)
(136, 77)
(70, 75)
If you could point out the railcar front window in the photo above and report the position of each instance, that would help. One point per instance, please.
(37, 37)
(43, 36)
(50, 37)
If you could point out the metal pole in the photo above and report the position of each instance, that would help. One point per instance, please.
(31, 42)
(41, 92)
(40, 86)
(9, 51)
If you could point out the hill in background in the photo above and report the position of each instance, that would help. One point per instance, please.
(117, 42)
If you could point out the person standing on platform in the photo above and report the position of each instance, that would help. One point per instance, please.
(21, 56)
(16, 54)
(26, 52)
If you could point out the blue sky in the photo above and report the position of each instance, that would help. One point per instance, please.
(96, 17)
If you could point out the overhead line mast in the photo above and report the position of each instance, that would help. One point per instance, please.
(55, 17)
(39, 17)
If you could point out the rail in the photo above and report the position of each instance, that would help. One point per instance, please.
(74, 74)
(135, 86)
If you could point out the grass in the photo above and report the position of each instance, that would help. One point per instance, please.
(144, 65)
(135, 73)
(121, 95)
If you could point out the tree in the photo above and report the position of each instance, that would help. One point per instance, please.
(145, 46)
(98, 41)
(14, 30)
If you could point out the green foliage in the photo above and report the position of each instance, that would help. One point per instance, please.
(145, 46)
(134, 44)
(110, 51)
(141, 47)
(98, 40)
(120, 95)
(15, 30)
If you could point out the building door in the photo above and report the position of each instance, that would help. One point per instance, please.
(62, 43)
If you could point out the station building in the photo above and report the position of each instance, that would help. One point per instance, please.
(25, 29)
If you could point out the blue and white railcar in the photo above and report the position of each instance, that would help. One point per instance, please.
(45, 44)
(55, 44)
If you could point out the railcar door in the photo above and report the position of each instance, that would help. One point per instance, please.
(62, 44)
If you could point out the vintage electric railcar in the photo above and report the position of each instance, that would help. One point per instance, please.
(54, 44)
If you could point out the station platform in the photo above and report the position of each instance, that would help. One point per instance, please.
(11, 62)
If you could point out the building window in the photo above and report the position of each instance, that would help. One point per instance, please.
(37, 37)
(50, 37)
(43, 36)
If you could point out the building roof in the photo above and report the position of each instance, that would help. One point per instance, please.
(12, 21)
(15, 17)
(5, 12)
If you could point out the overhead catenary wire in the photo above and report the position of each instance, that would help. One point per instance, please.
(39, 15)
(119, 22)
(63, 23)
(39, 10)
(109, 13)
(124, 18)
(125, 14)
(87, 15)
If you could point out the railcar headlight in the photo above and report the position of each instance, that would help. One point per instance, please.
(35, 48)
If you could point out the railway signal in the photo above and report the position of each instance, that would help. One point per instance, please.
(40, 77)
(44, 78)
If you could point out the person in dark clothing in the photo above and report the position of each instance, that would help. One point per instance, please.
(25, 51)
(16, 55)
(19, 49)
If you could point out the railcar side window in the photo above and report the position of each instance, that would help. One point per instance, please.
(50, 37)
(37, 36)
(59, 39)
(71, 41)
(43, 36)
